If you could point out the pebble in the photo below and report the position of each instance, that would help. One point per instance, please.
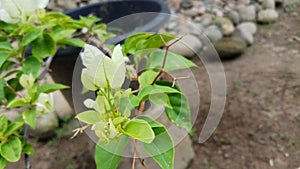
(225, 24)
(213, 33)
(267, 16)
(229, 48)
(188, 46)
(248, 26)
(268, 4)
(190, 12)
(248, 13)
(45, 126)
(11, 114)
(244, 35)
(234, 16)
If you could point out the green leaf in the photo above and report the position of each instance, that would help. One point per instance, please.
(89, 117)
(108, 156)
(28, 149)
(31, 66)
(155, 41)
(18, 103)
(3, 123)
(180, 113)
(138, 129)
(147, 77)
(155, 89)
(49, 88)
(44, 46)
(3, 163)
(128, 103)
(132, 41)
(3, 57)
(2, 93)
(5, 46)
(173, 61)
(162, 147)
(32, 35)
(60, 34)
(29, 117)
(73, 42)
(160, 99)
(12, 149)
(13, 127)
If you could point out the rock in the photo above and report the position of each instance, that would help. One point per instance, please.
(61, 106)
(190, 12)
(248, 26)
(225, 24)
(248, 13)
(245, 2)
(244, 35)
(207, 19)
(45, 126)
(213, 33)
(229, 48)
(188, 46)
(268, 4)
(267, 16)
(186, 4)
(67, 4)
(234, 16)
(11, 114)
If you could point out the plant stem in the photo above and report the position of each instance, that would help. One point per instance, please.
(26, 156)
(165, 57)
(134, 154)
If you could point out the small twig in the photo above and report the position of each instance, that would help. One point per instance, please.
(79, 130)
(12, 89)
(26, 156)
(134, 154)
(167, 46)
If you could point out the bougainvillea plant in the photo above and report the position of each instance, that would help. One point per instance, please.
(116, 115)
(29, 38)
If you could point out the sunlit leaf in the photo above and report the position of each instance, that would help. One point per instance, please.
(89, 117)
(108, 156)
(162, 147)
(29, 117)
(138, 129)
(12, 149)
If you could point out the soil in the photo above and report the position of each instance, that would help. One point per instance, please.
(260, 127)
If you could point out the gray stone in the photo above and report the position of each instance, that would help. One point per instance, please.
(248, 13)
(67, 4)
(248, 26)
(11, 114)
(187, 46)
(267, 16)
(268, 4)
(225, 24)
(213, 33)
(244, 35)
(190, 12)
(245, 2)
(229, 48)
(207, 19)
(234, 16)
(45, 126)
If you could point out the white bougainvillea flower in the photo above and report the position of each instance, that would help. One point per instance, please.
(101, 70)
(45, 103)
(106, 131)
(101, 104)
(13, 11)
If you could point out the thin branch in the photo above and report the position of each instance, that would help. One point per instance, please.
(12, 89)
(79, 130)
(134, 154)
(167, 46)
(26, 156)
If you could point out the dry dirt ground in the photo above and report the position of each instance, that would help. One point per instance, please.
(260, 128)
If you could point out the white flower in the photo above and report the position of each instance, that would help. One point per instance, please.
(106, 131)
(12, 11)
(45, 103)
(101, 70)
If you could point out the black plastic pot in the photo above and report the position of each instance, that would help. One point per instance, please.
(130, 16)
